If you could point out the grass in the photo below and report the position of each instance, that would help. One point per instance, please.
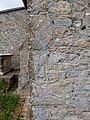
(8, 100)
(2, 84)
(7, 104)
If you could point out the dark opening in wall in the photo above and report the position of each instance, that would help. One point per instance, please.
(25, 3)
(13, 83)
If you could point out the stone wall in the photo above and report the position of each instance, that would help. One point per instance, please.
(13, 33)
(59, 46)
(53, 54)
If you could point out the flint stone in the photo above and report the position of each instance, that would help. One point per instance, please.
(62, 22)
(70, 117)
(77, 23)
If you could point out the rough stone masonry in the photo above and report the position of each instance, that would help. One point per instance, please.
(12, 33)
(59, 59)
(51, 44)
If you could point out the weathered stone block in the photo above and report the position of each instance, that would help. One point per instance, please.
(53, 112)
(60, 7)
(86, 115)
(71, 117)
(62, 22)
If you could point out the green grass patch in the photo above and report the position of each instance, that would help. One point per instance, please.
(7, 104)
(2, 84)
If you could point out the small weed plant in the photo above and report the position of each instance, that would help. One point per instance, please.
(8, 101)
(2, 84)
(7, 104)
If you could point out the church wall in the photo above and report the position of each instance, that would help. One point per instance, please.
(12, 33)
(59, 43)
